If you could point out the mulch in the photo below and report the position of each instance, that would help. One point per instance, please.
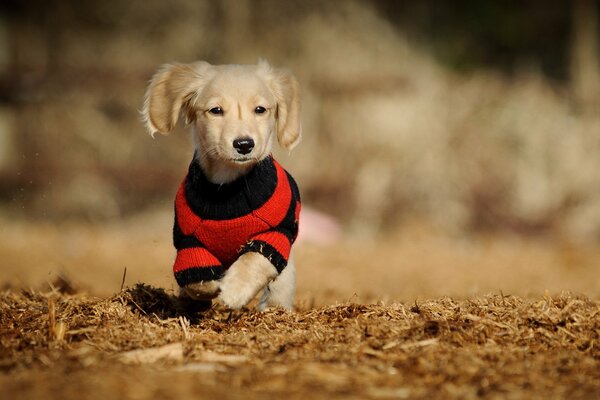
(144, 343)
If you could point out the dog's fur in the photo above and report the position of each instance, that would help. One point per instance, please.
(221, 103)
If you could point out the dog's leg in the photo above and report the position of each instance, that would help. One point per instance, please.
(245, 278)
(280, 292)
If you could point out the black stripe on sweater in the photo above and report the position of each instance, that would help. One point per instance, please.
(181, 241)
(270, 253)
(199, 274)
(293, 186)
(289, 226)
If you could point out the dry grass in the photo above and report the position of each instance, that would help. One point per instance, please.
(142, 343)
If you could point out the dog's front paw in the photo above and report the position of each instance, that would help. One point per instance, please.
(204, 290)
(236, 294)
(244, 279)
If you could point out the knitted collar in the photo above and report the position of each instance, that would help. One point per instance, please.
(230, 200)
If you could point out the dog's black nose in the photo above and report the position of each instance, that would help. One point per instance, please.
(243, 145)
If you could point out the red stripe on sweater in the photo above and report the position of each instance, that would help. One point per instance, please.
(275, 209)
(225, 238)
(188, 221)
(194, 257)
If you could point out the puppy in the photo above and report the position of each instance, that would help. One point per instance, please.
(237, 210)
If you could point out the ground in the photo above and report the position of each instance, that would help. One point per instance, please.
(89, 311)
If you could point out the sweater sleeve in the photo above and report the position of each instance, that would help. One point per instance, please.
(193, 263)
(275, 244)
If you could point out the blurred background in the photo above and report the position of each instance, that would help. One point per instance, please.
(439, 137)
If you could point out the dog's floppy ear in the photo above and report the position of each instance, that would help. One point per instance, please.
(286, 90)
(170, 92)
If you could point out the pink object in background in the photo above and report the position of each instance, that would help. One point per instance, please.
(317, 227)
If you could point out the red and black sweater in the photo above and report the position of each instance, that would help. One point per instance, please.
(215, 224)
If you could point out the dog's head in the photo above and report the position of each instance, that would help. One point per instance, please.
(235, 109)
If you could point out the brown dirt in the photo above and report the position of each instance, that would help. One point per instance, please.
(76, 346)
(409, 317)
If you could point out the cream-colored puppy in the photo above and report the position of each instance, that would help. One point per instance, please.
(234, 111)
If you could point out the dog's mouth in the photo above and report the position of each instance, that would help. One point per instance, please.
(243, 160)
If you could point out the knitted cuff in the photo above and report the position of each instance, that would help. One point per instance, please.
(268, 251)
(196, 264)
(199, 274)
(276, 239)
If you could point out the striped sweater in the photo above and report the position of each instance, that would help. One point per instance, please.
(215, 224)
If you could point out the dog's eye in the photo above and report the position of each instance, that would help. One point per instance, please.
(216, 111)
(260, 110)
